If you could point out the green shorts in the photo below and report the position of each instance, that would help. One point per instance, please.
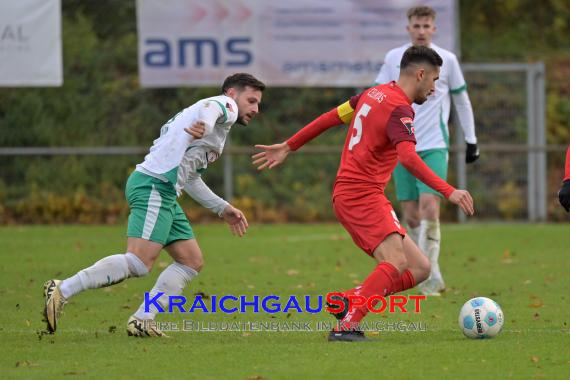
(155, 213)
(408, 187)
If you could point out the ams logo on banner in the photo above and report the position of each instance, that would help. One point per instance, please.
(197, 52)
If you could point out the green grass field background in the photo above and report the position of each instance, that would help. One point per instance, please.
(523, 267)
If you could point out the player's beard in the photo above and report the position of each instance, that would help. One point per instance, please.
(420, 100)
(423, 97)
(241, 120)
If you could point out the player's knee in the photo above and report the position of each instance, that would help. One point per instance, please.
(429, 208)
(411, 216)
(194, 261)
(137, 267)
(197, 263)
(412, 221)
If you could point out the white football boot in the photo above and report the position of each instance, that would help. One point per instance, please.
(144, 328)
(54, 304)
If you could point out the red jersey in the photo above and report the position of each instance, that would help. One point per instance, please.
(381, 132)
(383, 118)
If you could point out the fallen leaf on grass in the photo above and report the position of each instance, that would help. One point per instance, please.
(507, 257)
(338, 267)
(537, 302)
(25, 363)
(548, 279)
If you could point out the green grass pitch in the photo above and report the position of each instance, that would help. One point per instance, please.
(523, 267)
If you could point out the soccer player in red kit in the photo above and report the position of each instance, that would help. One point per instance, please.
(564, 192)
(380, 134)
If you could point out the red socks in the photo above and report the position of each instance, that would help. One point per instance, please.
(407, 281)
(384, 280)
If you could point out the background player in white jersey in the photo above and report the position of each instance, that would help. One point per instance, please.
(175, 163)
(420, 204)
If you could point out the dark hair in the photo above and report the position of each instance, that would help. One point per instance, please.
(421, 11)
(420, 54)
(240, 81)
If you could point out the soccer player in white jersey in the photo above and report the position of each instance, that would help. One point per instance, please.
(156, 221)
(420, 204)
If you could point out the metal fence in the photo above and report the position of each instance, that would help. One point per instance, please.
(513, 123)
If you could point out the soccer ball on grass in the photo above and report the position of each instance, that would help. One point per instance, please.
(481, 318)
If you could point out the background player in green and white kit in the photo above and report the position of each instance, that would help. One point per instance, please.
(175, 163)
(420, 203)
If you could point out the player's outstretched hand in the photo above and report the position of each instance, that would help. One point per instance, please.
(564, 195)
(271, 156)
(236, 220)
(197, 129)
(463, 199)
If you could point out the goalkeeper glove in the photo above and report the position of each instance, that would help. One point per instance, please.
(472, 153)
(564, 195)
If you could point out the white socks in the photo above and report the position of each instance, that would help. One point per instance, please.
(429, 243)
(107, 271)
(414, 234)
(171, 282)
(113, 269)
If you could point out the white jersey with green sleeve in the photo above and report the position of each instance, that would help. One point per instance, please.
(176, 157)
(431, 118)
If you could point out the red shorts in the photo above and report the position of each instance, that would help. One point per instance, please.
(369, 219)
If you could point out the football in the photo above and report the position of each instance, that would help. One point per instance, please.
(481, 318)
